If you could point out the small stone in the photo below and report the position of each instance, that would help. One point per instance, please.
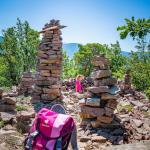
(45, 73)
(3, 146)
(113, 90)
(105, 119)
(100, 89)
(100, 139)
(117, 132)
(5, 133)
(105, 82)
(96, 124)
(85, 122)
(7, 116)
(85, 116)
(7, 108)
(145, 108)
(95, 101)
(25, 115)
(137, 122)
(82, 102)
(84, 139)
(113, 139)
(102, 73)
(137, 103)
(103, 133)
(108, 111)
(107, 96)
(112, 103)
(52, 91)
(10, 100)
(146, 126)
(95, 112)
(1, 92)
(80, 96)
(119, 140)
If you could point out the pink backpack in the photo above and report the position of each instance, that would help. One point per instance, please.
(50, 131)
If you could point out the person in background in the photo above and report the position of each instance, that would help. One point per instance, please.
(79, 87)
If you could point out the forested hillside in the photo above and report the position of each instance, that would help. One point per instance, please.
(20, 44)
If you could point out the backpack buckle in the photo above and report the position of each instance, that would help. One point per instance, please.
(30, 140)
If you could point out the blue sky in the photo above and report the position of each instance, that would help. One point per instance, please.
(87, 20)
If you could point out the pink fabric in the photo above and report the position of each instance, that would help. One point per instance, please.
(58, 125)
(78, 86)
(52, 125)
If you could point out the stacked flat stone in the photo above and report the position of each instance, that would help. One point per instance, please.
(24, 120)
(97, 109)
(127, 80)
(47, 86)
(26, 83)
(7, 103)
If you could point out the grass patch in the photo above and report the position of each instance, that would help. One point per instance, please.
(2, 123)
(145, 113)
(23, 98)
(21, 108)
(129, 108)
(6, 89)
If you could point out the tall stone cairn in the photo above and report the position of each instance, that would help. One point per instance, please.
(98, 108)
(47, 86)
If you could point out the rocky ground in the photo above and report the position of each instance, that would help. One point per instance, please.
(131, 124)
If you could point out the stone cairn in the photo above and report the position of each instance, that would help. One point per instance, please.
(47, 86)
(125, 85)
(127, 80)
(26, 83)
(7, 103)
(98, 107)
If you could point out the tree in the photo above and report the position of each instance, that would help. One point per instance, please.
(119, 63)
(83, 57)
(139, 30)
(69, 68)
(28, 40)
(19, 50)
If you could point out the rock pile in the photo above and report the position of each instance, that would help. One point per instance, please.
(24, 120)
(7, 103)
(26, 83)
(98, 107)
(125, 85)
(1, 93)
(127, 80)
(47, 86)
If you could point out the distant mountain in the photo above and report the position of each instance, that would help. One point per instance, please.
(71, 48)
(124, 53)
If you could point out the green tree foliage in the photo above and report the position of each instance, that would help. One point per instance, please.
(69, 68)
(119, 63)
(19, 50)
(139, 30)
(83, 57)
